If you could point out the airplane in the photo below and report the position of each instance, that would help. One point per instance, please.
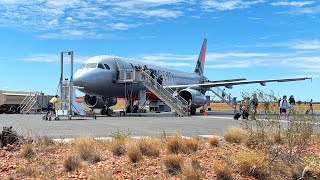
(98, 76)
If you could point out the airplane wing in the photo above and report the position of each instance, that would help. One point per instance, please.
(231, 83)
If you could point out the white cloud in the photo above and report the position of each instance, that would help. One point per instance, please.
(121, 26)
(225, 5)
(48, 18)
(292, 3)
(306, 44)
(163, 13)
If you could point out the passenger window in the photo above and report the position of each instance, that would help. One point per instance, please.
(100, 66)
(107, 67)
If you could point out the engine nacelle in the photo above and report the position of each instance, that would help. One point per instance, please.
(198, 99)
(99, 102)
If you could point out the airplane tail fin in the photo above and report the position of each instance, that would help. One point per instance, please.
(202, 57)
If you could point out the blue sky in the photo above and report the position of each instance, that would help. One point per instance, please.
(256, 39)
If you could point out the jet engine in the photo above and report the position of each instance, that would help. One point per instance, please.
(198, 99)
(99, 102)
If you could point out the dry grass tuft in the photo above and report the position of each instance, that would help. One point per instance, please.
(174, 144)
(214, 141)
(102, 174)
(87, 148)
(252, 163)
(222, 170)
(27, 151)
(191, 171)
(133, 152)
(189, 145)
(71, 163)
(45, 140)
(235, 135)
(117, 147)
(149, 147)
(312, 167)
(173, 164)
(27, 171)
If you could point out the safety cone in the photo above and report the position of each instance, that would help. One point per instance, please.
(205, 113)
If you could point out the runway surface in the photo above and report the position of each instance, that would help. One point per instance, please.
(33, 125)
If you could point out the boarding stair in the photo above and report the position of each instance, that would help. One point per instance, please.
(222, 95)
(30, 103)
(176, 103)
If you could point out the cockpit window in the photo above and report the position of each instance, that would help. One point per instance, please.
(91, 65)
(82, 66)
(107, 67)
(100, 66)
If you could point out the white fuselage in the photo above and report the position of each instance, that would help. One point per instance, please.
(98, 76)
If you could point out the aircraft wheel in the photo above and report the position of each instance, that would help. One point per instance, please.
(109, 112)
(103, 112)
(69, 117)
(57, 118)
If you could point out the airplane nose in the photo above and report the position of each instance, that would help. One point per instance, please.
(79, 80)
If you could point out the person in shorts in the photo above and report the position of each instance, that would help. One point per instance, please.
(51, 106)
(284, 105)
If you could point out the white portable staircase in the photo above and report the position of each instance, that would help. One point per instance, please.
(29, 103)
(219, 92)
(178, 104)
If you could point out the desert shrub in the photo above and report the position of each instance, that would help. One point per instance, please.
(173, 164)
(149, 147)
(87, 148)
(191, 171)
(235, 135)
(133, 152)
(251, 163)
(121, 135)
(117, 147)
(174, 144)
(71, 162)
(222, 170)
(214, 141)
(189, 145)
(28, 151)
(45, 140)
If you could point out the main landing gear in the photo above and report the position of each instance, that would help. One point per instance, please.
(106, 111)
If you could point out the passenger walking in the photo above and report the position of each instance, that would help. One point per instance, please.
(223, 94)
(189, 107)
(254, 105)
(174, 95)
(284, 106)
(292, 103)
(310, 107)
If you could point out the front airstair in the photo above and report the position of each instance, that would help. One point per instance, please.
(176, 103)
(29, 103)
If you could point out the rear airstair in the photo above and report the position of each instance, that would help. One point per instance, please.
(30, 103)
(176, 103)
(222, 95)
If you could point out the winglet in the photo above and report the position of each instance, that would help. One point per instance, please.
(202, 57)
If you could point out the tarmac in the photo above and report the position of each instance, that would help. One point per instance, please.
(28, 125)
(153, 125)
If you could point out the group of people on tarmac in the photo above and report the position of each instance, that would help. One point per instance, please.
(246, 106)
(286, 107)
